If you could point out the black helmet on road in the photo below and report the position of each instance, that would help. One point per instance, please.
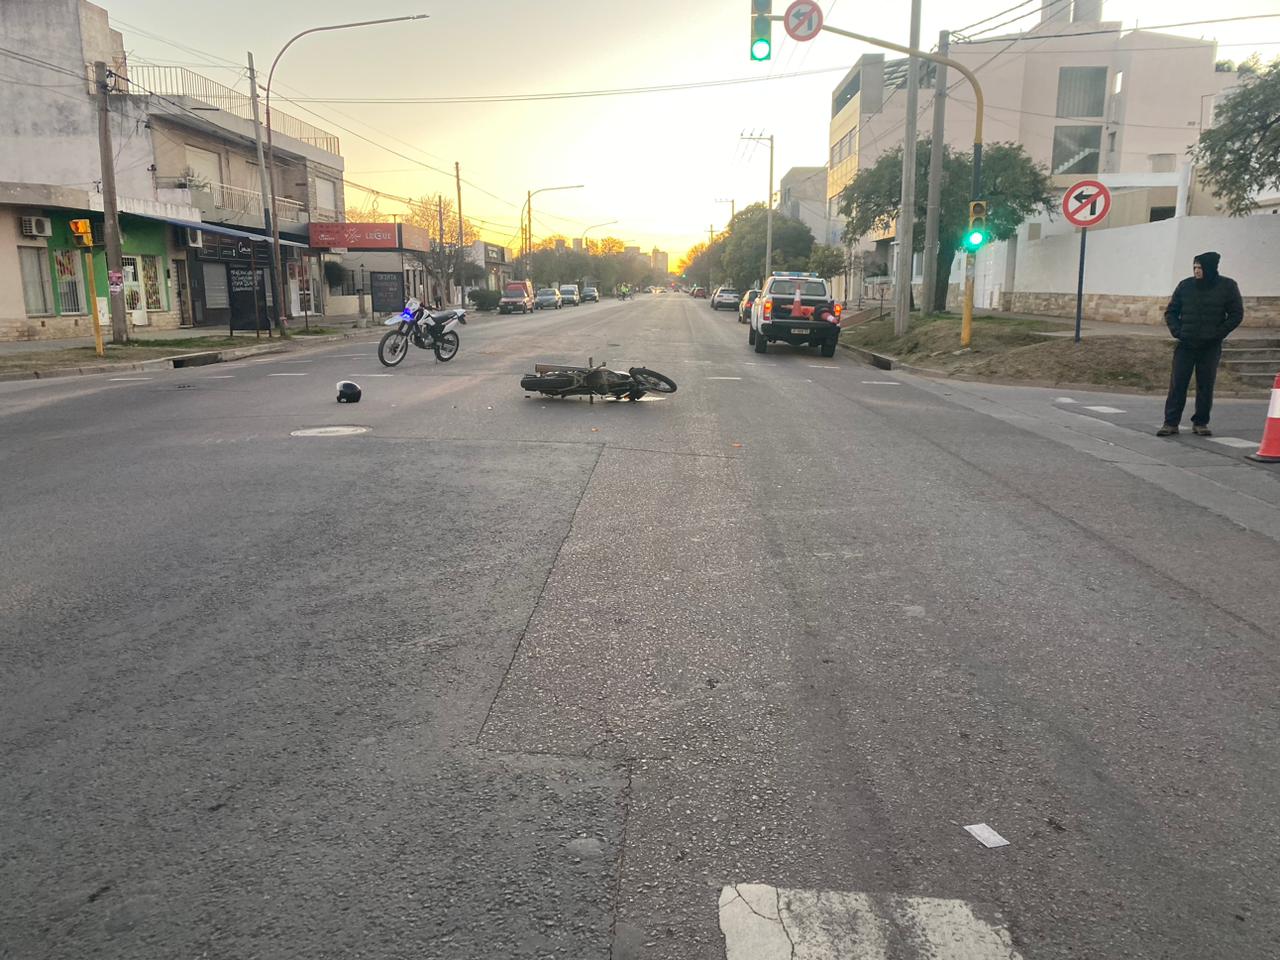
(348, 392)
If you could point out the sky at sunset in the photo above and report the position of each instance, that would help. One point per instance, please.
(658, 163)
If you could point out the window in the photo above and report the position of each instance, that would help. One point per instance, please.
(215, 286)
(1082, 91)
(34, 262)
(66, 265)
(326, 194)
(808, 288)
(846, 93)
(204, 171)
(1163, 213)
(151, 283)
(1076, 149)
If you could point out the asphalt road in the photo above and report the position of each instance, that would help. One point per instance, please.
(722, 674)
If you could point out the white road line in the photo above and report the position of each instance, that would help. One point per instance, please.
(1063, 400)
(295, 361)
(1233, 442)
(286, 374)
(724, 378)
(761, 922)
(264, 360)
(885, 383)
(221, 376)
(824, 366)
(128, 379)
(377, 374)
(1105, 409)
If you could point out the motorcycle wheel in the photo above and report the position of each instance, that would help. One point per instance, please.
(447, 346)
(651, 380)
(392, 348)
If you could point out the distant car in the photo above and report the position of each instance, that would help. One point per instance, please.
(569, 294)
(548, 298)
(698, 293)
(725, 297)
(590, 293)
(744, 307)
(516, 295)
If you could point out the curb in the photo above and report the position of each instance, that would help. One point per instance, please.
(180, 360)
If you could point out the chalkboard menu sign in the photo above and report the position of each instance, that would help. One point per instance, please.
(387, 291)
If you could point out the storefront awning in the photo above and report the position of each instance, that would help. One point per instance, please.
(225, 231)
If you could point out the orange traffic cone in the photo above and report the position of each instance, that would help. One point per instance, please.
(1269, 452)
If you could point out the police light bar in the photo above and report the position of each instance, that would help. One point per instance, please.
(794, 273)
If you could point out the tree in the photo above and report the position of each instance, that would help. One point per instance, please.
(827, 261)
(1240, 153)
(1014, 186)
(745, 242)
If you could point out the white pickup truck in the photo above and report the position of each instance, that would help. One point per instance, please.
(795, 308)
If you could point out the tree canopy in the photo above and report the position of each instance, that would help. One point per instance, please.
(1240, 154)
(1013, 185)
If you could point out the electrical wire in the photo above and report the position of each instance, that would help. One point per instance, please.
(964, 30)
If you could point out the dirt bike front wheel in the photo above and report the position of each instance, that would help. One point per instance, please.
(447, 346)
(393, 347)
(651, 380)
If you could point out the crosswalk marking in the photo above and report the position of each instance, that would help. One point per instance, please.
(1105, 409)
(762, 922)
(1063, 400)
(1234, 442)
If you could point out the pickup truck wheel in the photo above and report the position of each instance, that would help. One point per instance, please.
(751, 336)
(829, 348)
(762, 343)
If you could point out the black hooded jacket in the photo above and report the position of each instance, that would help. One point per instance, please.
(1208, 309)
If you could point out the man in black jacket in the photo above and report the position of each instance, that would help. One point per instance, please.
(1204, 309)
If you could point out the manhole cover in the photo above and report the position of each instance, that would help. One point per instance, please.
(329, 431)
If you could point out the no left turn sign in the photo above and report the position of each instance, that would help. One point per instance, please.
(803, 20)
(1086, 203)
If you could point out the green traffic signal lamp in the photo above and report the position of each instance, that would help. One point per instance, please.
(761, 30)
(976, 236)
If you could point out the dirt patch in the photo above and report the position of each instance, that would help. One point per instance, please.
(63, 358)
(1007, 349)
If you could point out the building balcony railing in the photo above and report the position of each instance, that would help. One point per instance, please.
(147, 78)
(223, 202)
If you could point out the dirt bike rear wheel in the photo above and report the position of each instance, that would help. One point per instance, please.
(551, 386)
(446, 347)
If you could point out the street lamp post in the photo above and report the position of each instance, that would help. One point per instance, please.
(269, 213)
(528, 243)
(594, 226)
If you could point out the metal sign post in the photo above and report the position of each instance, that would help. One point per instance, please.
(1085, 204)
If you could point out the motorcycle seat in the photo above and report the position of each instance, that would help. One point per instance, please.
(443, 316)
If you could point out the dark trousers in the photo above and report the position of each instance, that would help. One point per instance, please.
(1200, 356)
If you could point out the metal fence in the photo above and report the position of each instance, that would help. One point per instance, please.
(149, 79)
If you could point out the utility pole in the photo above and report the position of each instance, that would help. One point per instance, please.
(934, 208)
(111, 214)
(907, 210)
(443, 260)
(768, 220)
(528, 233)
(272, 276)
(457, 173)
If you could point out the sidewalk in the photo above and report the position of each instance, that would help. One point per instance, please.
(1103, 328)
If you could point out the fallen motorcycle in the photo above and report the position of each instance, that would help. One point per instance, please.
(422, 328)
(559, 380)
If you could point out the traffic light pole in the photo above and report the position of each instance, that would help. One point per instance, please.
(977, 142)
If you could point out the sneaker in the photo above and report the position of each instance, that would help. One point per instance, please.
(1201, 431)
(1168, 430)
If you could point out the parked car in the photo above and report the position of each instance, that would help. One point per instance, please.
(569, 294)
(516, 295)
(698, 293)
(590, 293)
(744, 307)
(725, 297)
(548, 298)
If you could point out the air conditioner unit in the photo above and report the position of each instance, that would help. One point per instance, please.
(193, 238)
(37, 227)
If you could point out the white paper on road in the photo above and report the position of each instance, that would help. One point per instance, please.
(1234, 442)
(986, 836)
(762, 922)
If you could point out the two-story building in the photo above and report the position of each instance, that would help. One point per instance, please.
(187, 182)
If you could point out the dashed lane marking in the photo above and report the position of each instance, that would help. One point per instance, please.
(129, 379)
(824, 366)
(761, 922)
(1233, 442)
(221, 376)
(286, 374)
(724, 378)
(885, 383)
(377, 375)
(1105, 409)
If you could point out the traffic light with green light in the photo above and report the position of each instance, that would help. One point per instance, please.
(976, 237)
(761, 29)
